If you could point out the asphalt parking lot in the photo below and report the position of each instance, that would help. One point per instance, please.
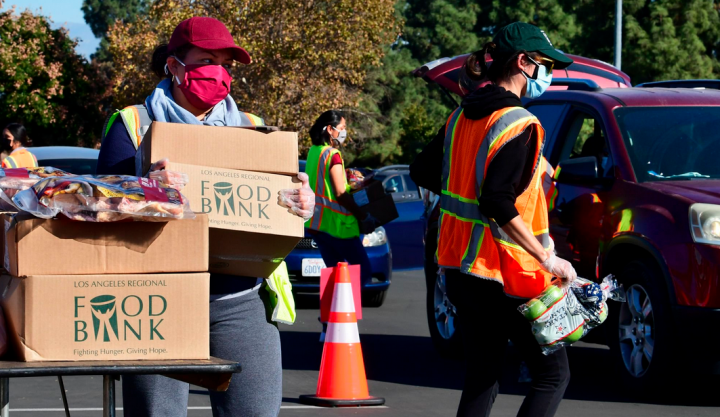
(403, 368)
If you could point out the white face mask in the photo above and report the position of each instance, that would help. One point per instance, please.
(342, 134)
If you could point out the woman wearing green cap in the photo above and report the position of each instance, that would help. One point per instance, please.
(493, 241)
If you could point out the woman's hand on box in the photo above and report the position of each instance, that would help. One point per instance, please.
(172, 179)
(159, 165)
(299, 201)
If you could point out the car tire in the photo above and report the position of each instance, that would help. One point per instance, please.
(373, 299)
(640, 336)
(443, 322)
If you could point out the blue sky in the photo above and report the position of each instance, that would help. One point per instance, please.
(63, 12)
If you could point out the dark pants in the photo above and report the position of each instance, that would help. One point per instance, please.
(334, 250)
(489, 318)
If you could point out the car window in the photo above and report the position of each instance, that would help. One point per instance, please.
(671, 143)
(586, 137)
(411, 186)
(549, 115)
(394, 182)
(73, 166)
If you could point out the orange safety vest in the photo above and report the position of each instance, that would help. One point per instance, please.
(20, 158)
(468, 240)
(548, 183)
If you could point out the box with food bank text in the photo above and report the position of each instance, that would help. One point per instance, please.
(220, 147)
(107, 317)
(36, 246)
(250, 234)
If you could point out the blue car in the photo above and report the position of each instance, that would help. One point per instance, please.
(406, 233)
(304, 264)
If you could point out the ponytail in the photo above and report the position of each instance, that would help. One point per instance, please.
(160, 56)
(477, 69)
(318, 134)
(475, 66)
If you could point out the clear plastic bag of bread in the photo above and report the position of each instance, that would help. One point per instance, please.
(562, 315)
(104, 198)
(14, 180)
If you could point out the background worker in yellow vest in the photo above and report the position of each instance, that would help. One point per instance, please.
(337, 221)
(20, 157)
(487, 166)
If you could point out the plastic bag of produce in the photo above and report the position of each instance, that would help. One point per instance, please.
(13, 180)
(560, 316)
(104, 198)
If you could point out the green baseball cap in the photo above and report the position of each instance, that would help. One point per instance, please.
(521, 36)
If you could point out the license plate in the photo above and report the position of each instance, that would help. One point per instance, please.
(311, 267)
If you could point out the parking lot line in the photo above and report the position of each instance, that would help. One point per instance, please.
(40, 410)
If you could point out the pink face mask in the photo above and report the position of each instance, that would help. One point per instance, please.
(204, 86)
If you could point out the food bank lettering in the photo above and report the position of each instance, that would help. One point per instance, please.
(136, 314)
(228, 199)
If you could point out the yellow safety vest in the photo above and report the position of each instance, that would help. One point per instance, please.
(329, 216)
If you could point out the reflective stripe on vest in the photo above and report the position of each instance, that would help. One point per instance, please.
(20, 158)
(136, 120)
(467, 239)
(329, 216)
(549, 184)
(253, 120)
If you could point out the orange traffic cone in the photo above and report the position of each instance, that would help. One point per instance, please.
(342, 380)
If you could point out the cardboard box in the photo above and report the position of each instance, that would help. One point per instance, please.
(107, 317)
(221, 147)
(373, 191)
(383, 209)
(250, 233)
(59, 246)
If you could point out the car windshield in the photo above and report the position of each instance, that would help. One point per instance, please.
(671, 143)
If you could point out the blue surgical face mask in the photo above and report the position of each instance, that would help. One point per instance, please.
(536, 87)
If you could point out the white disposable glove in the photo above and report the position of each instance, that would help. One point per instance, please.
(559, 268)
(172, 179)
(299, 201)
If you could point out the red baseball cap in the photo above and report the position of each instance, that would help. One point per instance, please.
(206, 33)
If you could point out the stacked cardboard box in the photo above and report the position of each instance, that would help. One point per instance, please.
(235, 176)
(106, 291)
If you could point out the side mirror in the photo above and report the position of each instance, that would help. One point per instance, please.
(391, 190)
(583, 171)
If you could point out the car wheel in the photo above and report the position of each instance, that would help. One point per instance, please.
(442, 319)
(372, 299)
(641, 338)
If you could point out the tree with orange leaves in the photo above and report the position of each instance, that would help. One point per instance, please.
(308, 55)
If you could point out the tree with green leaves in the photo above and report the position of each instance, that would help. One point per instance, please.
(59, 97)
(663, 39)
(101, 14)
(400, 113)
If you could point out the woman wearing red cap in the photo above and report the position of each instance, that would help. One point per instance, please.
(195, 68)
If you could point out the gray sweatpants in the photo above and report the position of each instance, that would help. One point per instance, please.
(239, 331)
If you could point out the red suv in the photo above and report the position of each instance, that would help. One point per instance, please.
(638, 196)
